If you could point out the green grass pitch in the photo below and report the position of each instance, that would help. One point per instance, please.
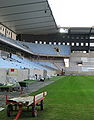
(69, 98)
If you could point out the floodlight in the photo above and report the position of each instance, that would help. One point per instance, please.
(63, 30)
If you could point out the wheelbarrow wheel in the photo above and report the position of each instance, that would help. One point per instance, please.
(41, 105)
(34, 111)
(9, 110)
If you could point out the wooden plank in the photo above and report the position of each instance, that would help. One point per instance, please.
(29, 100)
(23, 100)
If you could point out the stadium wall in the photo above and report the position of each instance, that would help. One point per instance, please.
(8, 77)
(3, 75)
(13, 75)
(81, 64)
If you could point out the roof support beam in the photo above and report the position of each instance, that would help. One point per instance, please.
(18, 13)
(31, 23)
(35, 28)
(9, 6)
(25, 19)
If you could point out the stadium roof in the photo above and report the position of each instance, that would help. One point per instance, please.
(27, 16)
(81, 30)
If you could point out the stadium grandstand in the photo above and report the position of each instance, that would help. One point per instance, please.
(33, 46)
(23, 44)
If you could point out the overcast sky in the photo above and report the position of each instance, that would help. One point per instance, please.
(73, 13)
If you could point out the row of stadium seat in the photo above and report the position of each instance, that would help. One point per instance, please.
(43, 49)
(47, 64)
(20, 63)
(63, 50)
